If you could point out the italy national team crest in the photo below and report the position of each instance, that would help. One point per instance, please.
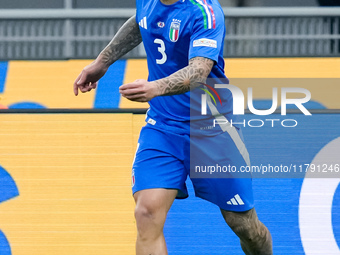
(174, 30)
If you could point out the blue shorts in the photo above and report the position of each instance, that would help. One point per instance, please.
(164, 159)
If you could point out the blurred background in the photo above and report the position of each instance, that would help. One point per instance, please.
(67, 29)
(130, 4)
(65, 161)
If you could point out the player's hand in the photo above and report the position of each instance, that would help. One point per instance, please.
(139, 91)
(89, 77)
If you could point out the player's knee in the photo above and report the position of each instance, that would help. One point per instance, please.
(148, 216)
(149, 222)
(144, 213)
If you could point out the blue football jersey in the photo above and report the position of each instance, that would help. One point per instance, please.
(172, 35)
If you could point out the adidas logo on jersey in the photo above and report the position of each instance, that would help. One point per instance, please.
(143, 24)
(236, 200)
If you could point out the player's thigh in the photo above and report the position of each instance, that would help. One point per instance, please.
(221, 156)
(214, 170)
(158, 162)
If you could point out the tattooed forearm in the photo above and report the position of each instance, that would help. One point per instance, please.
(127, 38)
(187, 78)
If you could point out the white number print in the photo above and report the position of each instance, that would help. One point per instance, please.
(161, 49)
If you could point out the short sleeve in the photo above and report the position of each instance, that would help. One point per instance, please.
(138, 9)
(208, 32)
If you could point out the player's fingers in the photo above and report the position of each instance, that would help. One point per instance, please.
(94, 85)
(131, 92)
(75, 89)
(124, 87)
(138, 98)
(75, 85)
(129, 86)
(84, 88)
(83, 78)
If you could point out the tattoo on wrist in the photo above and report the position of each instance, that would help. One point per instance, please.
(187, 78)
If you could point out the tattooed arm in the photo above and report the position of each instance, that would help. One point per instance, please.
(187, 78)
(179, 82)
(127, 38)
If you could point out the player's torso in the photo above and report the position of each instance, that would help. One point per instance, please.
(167, 35)
(166, 31)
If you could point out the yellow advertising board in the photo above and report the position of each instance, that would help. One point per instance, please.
(48, 84)
(73, 174)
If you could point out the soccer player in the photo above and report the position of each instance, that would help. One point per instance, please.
(183, 40)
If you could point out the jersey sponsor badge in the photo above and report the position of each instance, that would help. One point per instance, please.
(174, 30)
(151, 121)
(205, 43)
(160, 24)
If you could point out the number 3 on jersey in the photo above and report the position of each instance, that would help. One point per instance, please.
(161, 49)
